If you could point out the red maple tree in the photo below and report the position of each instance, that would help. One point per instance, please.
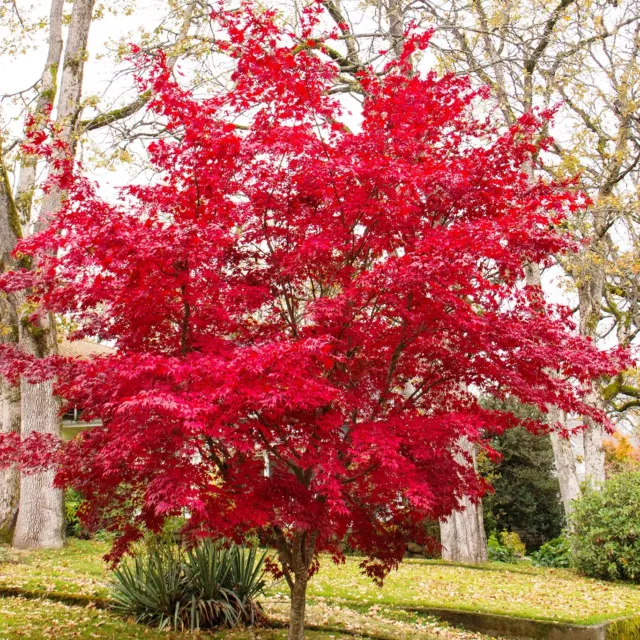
(305, 314)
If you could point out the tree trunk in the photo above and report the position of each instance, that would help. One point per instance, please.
(462, 534)
(69, 103)
(40, 522)
(9, 478)
(565, 463)
(298, 607)
(590, 296)
(563, 455)
(48, 89)
(10, 231)
(594, 458)
(296, 553)
(395, 15)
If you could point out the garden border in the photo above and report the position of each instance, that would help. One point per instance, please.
(73, 599)
(494, 624)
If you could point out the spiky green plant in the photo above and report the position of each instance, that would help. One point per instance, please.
(152, 587)
(210, 585)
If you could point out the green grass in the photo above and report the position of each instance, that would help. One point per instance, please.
(78, 570)
(339, 597)
(516, 590)
(43, 620)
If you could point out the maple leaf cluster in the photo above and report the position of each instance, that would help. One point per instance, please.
(305, 313)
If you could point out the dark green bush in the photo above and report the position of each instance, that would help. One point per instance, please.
(605, 542)
(527, 493)
(555, 553)
(205, 587)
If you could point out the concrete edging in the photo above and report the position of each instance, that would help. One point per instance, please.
(500, 625)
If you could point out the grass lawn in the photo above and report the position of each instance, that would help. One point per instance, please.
(340, 598)
(43, 620)
(517, 590)
(78, 569)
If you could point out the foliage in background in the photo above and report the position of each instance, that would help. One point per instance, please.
(73, 525)
(555, 553)
(505, 547)
(527, 493)
(621, 454)
(201, 588)
(606, 530)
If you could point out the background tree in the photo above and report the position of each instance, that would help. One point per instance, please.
(462, 534)
(526, 496)
(9, 394)
(584, 58)
(621, 454)
(40, 520)
(32, 505)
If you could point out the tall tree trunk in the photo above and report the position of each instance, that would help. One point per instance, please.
(565, 463)
(9, 478)
(47, 95)
(462, 534)
(40, 520)
(594, 457)
(563, 455)
(395, 16)
(69, 103)
(10, 231)
(590, 296)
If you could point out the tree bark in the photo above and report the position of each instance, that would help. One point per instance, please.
(296, 553)
(563, 454)
(594, 457)
(591, 294)
(69, 103)
(9, 478)
(10, 231)
(565, 463)
(395, 15)
(40, 520)
(48, 89)
(298, 608)
(462, 534)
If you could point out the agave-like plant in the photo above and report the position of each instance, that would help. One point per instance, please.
(151, 587)
(211, 585)
(247, 578)
(207, 568)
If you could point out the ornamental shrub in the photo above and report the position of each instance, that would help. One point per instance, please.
(555, 553)
(506, 547)
(511, 540)
(606, 530)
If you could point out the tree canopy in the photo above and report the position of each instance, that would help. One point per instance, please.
(306, 303)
